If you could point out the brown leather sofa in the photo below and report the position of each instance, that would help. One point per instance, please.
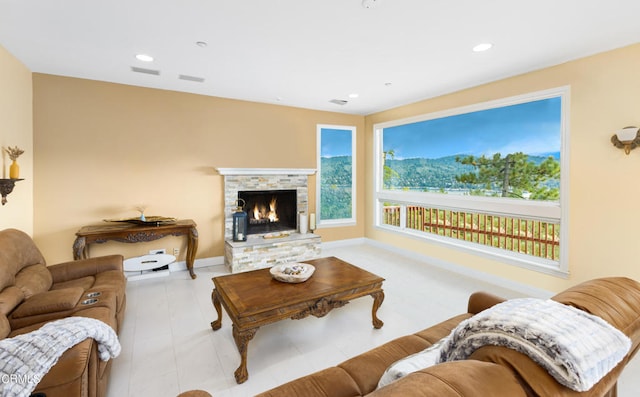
(33, 294)
(491, 370)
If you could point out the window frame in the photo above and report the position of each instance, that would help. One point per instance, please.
(322, 223)
(537, 210)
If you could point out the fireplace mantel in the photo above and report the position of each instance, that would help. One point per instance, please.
(266, 171)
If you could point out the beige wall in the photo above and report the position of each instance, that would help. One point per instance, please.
(604, 191)
(16, 129)
(102, 149)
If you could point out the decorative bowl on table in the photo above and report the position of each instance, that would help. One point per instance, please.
(292, 272)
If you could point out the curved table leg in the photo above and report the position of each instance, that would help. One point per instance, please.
(192, 247)
(242, 339)
(217, 323)
(80, 248)
(378, 297)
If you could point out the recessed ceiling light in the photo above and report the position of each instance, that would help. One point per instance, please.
(144, 58)
(482, 47)
(201, 44)
(370, 3)
(354, 95)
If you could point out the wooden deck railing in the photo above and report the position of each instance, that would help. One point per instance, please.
(531, 237)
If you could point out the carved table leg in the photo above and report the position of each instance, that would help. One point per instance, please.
(192, 247)
(242, 339)
(216, 324)
(79, 248)
(378, 297)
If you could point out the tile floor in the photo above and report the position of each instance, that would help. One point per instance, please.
(168, 346)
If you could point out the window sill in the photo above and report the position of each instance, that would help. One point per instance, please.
(336, 223)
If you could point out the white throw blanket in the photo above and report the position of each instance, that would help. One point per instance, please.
(25, 359)
(575, 347)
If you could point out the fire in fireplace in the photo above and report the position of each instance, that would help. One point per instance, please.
(270, 210)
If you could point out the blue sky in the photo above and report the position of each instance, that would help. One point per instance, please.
(532, 128)
(335, 142)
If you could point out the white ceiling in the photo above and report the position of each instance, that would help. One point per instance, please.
(305, 53)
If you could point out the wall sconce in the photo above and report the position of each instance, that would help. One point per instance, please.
(6, 187)
(626, 138)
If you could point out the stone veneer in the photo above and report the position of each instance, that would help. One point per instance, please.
(258, 252)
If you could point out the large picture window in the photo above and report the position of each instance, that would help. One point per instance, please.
(488, 178)
(336, 175)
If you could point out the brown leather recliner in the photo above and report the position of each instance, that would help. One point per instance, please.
(33, 294)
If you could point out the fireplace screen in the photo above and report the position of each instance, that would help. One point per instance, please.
(270, 210)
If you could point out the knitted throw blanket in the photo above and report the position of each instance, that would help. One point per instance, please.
(25, 359)
(575, 347)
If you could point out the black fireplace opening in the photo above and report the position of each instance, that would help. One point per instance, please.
(270, 210)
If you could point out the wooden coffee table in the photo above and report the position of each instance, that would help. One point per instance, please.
(253, 299)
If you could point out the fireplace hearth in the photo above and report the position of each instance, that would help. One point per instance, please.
(260, 250)
(270, 210)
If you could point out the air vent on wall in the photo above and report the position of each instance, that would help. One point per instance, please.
(191, 78)
(340, 102)
(146, 71)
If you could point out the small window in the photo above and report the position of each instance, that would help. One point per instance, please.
(336, 175)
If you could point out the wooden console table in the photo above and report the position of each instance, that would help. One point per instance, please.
(131, 233)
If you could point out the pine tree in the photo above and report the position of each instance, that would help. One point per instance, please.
(513, 175)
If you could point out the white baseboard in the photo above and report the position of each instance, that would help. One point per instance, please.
(343, 243)
(203, 262)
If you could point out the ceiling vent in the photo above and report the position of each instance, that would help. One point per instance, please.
(191, 78)
(340, 102)
(146, 71)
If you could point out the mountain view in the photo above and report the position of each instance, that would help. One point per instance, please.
(424, 175)
(335, 187)
(439, 175)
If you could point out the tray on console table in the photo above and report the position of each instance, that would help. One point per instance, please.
(125, 232)
(148, 221)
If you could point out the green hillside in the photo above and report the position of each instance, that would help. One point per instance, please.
(417, 174)
(335, 189)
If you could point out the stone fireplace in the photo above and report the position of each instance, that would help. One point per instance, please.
(269, 194)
